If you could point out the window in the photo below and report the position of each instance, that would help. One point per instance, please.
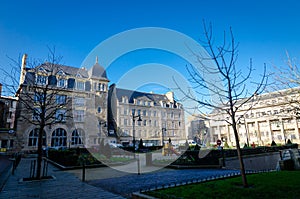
(78, 101)
(61, 99)
(59, 137)
(77, 137)
(60, 115)
(125, 122)
(144, 112)
(36, 114)
(38, 98)
(61, 83)
(99, 109)
(33, 138)
(80, 85)
(41, 79)
(125, 111)
(145, 122)
(79, 115)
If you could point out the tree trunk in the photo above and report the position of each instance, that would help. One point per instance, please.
(40, 153)
(240, 156)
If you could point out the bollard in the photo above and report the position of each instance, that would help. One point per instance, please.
(83, 172)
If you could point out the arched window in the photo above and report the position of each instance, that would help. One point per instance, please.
(59, 137)
(33, 138)
(77, 137)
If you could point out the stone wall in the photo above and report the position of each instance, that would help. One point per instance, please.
(266, 161)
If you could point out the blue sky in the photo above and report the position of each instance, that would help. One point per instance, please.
(264, 29)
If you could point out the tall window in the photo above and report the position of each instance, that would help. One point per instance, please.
(38, 97)
(41, 79)
(79, 101)
(59, 137)
(144, 112)
(61, 83)
(78, 115)
(36, 114)
(61, 99)
(33, 138)
(77, 137)
(80, 85)
(60, 115)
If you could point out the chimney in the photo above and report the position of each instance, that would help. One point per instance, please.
(24, 61)
(23, 69)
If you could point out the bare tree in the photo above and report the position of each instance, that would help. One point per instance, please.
(230, 92)
(41, 102)
(287, 86)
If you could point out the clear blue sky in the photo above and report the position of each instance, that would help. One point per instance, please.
(264, 29)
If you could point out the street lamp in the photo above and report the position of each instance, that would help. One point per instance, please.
(133, 126)
(163, 136)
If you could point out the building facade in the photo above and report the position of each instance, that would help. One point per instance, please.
(269, 117)
(161, 117)
(85, 110)
(78, 97)
(7, 121)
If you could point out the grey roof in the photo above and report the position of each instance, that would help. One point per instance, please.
(68, 70)
(97, 72)
(130, 94)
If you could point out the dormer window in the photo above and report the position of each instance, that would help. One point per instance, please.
(78, 75)
(61, 73)
(61, 82)
(80, 85)
(41, 79)
(42, 70)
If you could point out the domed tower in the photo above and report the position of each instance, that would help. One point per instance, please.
(99, 87)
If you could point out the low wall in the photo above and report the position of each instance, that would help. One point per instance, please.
(266, 161)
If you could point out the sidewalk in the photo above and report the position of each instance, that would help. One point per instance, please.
(64, 185)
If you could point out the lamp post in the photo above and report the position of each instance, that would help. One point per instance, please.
(163, 136)
(133, 127)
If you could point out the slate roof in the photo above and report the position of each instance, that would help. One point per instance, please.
(130, 94)
(68, 70)
(97, 72)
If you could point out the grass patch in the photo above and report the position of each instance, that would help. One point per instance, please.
(283, 184)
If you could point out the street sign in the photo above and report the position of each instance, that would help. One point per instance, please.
(219, 142)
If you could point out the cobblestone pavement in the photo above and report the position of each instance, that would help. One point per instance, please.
(65, 185)
(130, 183)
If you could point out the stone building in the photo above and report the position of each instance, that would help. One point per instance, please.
(79, 98)
(7, 121)
(269, 117)
(85, 110)
(161, 117)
